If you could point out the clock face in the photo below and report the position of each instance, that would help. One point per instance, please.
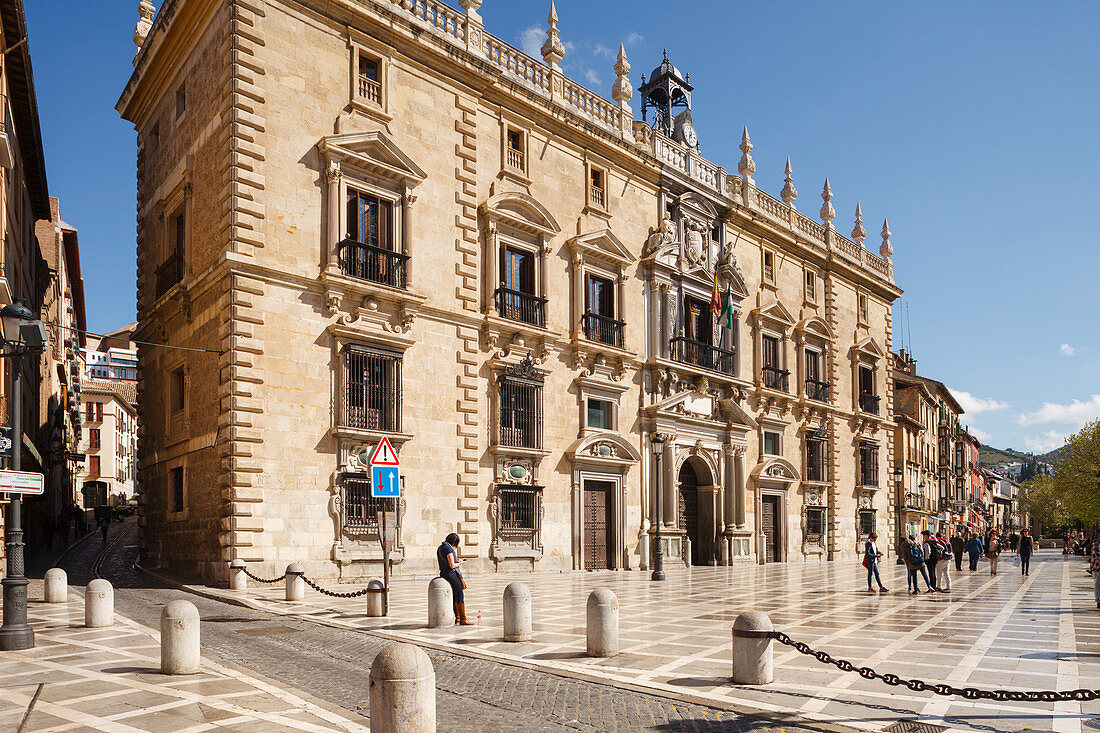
(689, 136)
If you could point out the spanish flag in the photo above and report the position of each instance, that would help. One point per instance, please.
(715, 298)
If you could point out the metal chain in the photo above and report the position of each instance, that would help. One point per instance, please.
(263, 580)
(319, 589)
(970, 693)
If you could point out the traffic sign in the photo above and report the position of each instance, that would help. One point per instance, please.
(384, 455)
(385, 482)
(21, 482)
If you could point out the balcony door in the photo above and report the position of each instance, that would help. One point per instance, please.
(519, 270)
(697, 320)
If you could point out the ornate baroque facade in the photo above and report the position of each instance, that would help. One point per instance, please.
(376, 219)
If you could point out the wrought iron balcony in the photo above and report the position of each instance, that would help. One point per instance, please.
(169, 273)
(374, 264)
(869, 402)
(775, 378)
(868, 475)
(701, 354)
(519, 306)
(815, 469)
(917, 502)
(817, 391)
(603, 329)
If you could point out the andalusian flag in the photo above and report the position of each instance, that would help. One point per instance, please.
(715, 298)
(727, 311)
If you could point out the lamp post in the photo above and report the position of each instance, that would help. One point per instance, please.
(22, 334)
(901, 508)
(658, 444)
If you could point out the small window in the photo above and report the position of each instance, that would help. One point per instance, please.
(372, 381)
(370, 85)
(597, 188)
(93, 439)
(93, 465)
(175, 489)
(519, 508)
(866, 522)
(181, 100)
(868, 464)
(811, 286)
(152, 141)
(601, 414)
(772, 445)
(360, 508)
(816, 464)
(515, 150)
(177, 391)
(769, 266)
(716, 233)
(815, 523)
(862, 308)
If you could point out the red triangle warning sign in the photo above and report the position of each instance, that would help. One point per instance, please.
(384, 454)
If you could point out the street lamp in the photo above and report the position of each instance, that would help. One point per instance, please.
(22, 334)
(901, 505)
(658, 444)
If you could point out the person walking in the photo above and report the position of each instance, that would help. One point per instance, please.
(449, 562)
(103, 520)
(974, 550)
(993, 551)
(871, 555)
(1094, 566)
(931, 550)
(914, 563)
(943, 567)
(957, 546)
(1024, 550)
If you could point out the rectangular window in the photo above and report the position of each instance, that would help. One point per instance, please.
(601, 414)
(519, 270)
(520, 413)
(181, 100)
(170, 270)
(868, 399)
(772, 373)
(817, 389)
(868, 464)
(515, 150)
(370, 85)
(770, 350)
(811, 286)
(769, 266)
(93, 439)
(815, 524)
(771, 443)
(369, 219)
(599, 311)
(862, 308)
(866, 522)
(597, 190)
(177, 391)
(89, 410)
(697, 320)
(815, 460)
(93, 465)
(360, 508)
(372, 382)
(519, 508)
(517, 297)
(175, 489)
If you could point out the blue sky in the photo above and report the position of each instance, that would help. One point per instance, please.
(970, 125)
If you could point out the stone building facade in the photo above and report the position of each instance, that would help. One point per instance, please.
(109, 444)
(374, 219)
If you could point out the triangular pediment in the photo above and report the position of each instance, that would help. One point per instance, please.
(869, 347)
(372, 152)
(775, 311)
(522, 211)
(816, 325)
(602, 244)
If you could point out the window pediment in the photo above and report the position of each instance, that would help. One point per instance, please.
(776, 312)
(602, 245)
(868, 347)
(815, 326)
(522, 211)
(776, 469)
(373, 153)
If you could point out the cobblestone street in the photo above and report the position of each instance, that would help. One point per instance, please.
(331, 664)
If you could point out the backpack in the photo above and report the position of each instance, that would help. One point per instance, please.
(934, 550)
(916, 557)
(945, 548)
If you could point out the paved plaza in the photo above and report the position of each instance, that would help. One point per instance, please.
(108, 679)
(1040, 632)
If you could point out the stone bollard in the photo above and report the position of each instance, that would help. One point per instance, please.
(376, 598)
(179, 638)
(402, 690)
(237, 579)
(603, 623)
(99, 604)
(517, 612)
(441, 611)
(752, 649)
(295, 586)
(57, 586)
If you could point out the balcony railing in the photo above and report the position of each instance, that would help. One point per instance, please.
(775, 378)
(519, 306)
(869, 403)
(603, 329)
(516, 160)
(369, 89)
(817, 391)
(168, 274)
(597, 197)
(815, 469)
(917, 502)
(701, 354)
(375, 264)
(868, 475)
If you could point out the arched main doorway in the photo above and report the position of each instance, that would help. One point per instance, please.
(688, 481)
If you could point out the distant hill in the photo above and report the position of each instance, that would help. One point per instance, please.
(990, 456)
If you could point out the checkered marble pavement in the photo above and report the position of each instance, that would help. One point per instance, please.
(1040, 632)
(108, 679)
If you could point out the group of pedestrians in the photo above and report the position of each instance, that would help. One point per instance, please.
(931, 557)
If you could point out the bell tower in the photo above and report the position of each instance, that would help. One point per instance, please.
(668, 95)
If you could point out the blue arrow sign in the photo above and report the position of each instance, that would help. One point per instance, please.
(385, 482)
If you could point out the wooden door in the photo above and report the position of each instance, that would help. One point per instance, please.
(597, 521)
(769, 507)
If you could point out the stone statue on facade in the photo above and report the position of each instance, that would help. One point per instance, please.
(665, 234)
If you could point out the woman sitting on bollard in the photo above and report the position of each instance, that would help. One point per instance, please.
(447, 554)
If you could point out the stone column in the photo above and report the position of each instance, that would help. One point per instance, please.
(492, 269)
(578, 293)
(668, 484)
(407, 232)
(739, 485)
(335, 207)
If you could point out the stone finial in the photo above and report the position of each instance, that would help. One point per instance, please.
(858, 232)
(622, 91)
(146, 11)
(553, 51)
(470, 6)
(828, 213)
(789, 192)
(746, 166)
(886, 249)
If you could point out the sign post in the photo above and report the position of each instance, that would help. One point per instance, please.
(386, 483)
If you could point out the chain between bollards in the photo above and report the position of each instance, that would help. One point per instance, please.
(263, 580)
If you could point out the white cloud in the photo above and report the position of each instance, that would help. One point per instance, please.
(1046, 442)
(633, 38)
(1075, 413)
(602, 50)
(1067, 350)
(592, 77)
(980, 434)
(977, 405)
(531, 41)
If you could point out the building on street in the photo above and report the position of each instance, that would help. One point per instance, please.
(110, 443)
(360, 221)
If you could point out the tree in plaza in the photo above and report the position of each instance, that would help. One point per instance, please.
(1077, 474)
(1044, 502)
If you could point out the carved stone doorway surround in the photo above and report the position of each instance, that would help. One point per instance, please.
(604, 457)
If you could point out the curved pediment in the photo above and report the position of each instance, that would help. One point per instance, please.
(699, 203)
(602, 244)
(522, 211)
(372, 153)
(603, 447)
(774, 468)
(817, 326)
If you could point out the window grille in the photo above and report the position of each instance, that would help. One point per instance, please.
(815, 460)
(520, 390)
(815, 524)
(519, 508)
(360, 508)
(868, 465)
(372, 382)
(866, 522)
